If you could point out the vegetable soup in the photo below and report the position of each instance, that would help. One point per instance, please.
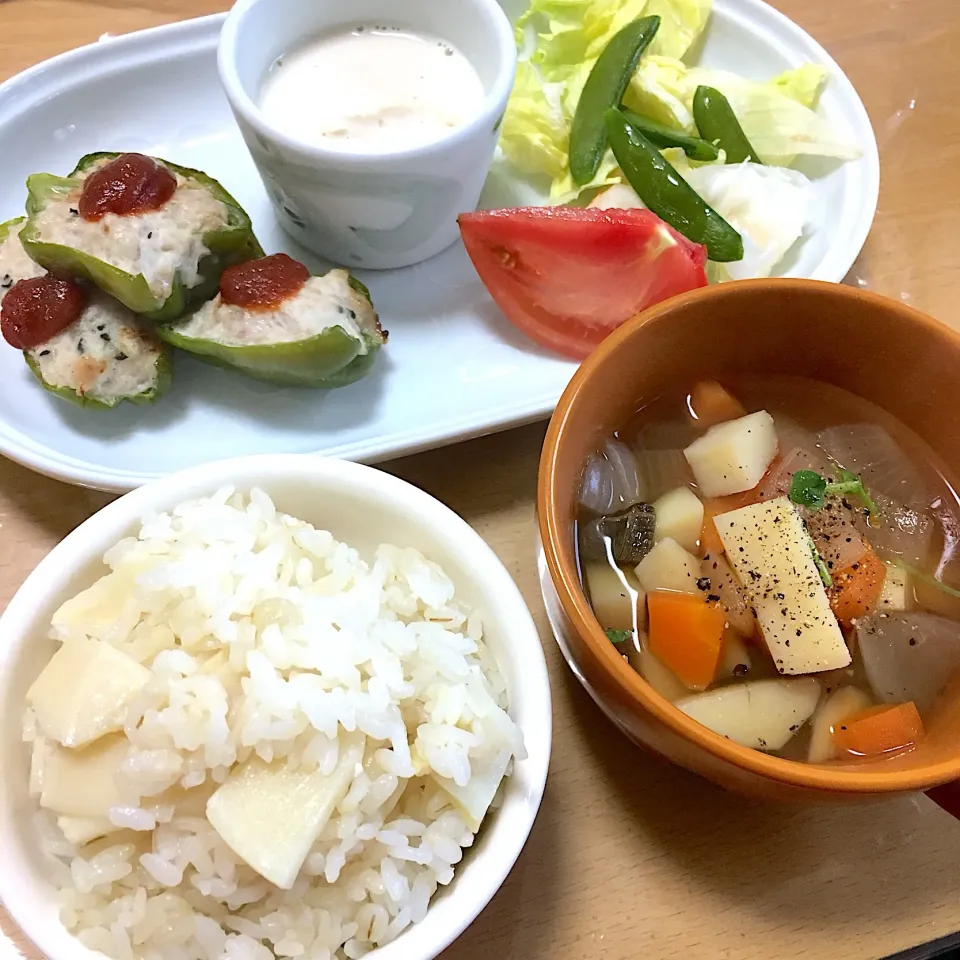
(777, 557)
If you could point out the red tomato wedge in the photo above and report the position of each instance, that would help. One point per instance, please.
(569, 276)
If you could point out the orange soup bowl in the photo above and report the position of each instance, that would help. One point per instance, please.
(878, 349)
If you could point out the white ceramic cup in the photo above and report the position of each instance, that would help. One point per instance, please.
(382, 210)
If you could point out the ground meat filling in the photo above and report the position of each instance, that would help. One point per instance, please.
(321, 304)
(14, 263)
(104, 355)
(162, 244)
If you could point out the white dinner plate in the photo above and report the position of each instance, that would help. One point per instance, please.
(454, 368)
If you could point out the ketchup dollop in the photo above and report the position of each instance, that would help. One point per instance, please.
(36, 310)
(263, 284)
(128, 185)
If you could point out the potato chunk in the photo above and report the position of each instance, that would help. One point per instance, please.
(733, 457)
(771, 554)
(894, 596)
(679, 516)
(615, 596)
(763, 714)
(669, 567)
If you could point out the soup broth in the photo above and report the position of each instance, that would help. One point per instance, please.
(780, 559)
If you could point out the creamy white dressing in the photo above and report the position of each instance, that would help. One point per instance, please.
(372, 89)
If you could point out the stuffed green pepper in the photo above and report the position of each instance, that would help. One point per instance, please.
(153, 235)
(80, 344)
(273, 321)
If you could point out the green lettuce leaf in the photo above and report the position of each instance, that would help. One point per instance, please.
(578, 30)
(778, 116)
(571, 34)
(564, 191)
(657, 91)
(803, 84)
(681, 24)
(535, 130)
(779, 126)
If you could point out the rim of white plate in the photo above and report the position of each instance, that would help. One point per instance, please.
(118, 54)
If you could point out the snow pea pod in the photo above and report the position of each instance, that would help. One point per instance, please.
(657, 133)
(605, 88)
(234, 242)
(717, 123)
(667, 194)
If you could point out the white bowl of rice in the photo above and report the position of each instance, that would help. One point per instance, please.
(278, 706)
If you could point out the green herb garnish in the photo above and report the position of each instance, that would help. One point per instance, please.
(821, 566)
(618, 636)
(808, 489)
(927, 578)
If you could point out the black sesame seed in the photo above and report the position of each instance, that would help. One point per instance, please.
(74, 211)
(7, 281)
(44, 353)
(121, 356)
(105, 337)
(80, 346)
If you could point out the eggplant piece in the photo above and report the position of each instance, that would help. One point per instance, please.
(326, 335)
(214, 232)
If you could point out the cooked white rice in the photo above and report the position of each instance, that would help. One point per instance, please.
(266, 637)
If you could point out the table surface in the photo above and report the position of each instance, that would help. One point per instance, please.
(630, 857)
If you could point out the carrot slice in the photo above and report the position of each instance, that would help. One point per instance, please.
(711, 404)
(856, 589)
(686, 633)
(710, 542)
(878, 730)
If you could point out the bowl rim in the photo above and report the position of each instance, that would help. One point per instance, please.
(445, 920)
(502, 40)
(630, 685)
